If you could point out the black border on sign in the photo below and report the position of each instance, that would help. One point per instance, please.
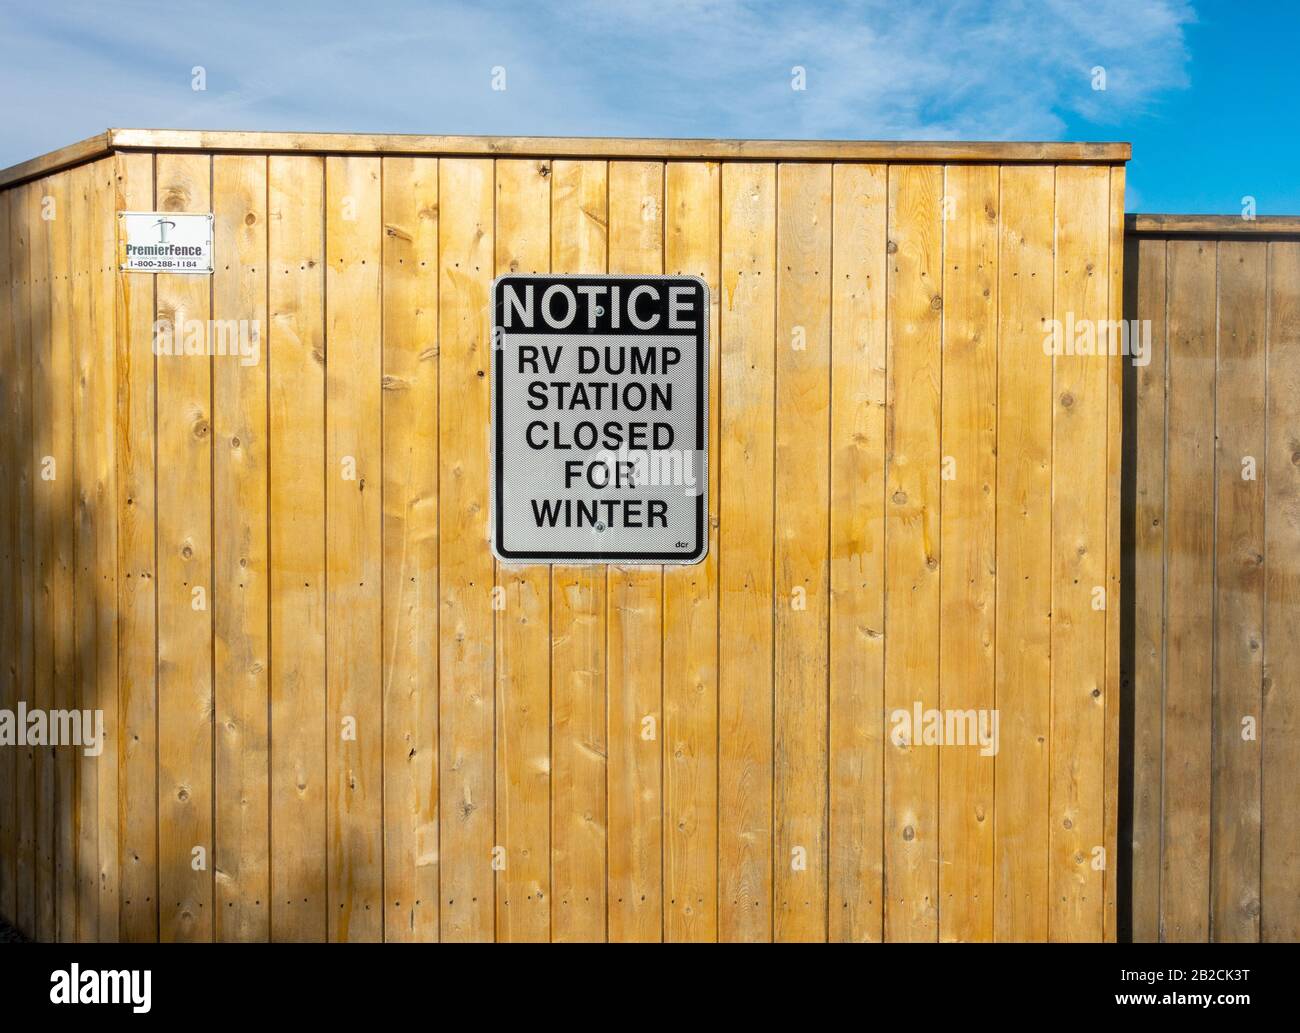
(676, 557)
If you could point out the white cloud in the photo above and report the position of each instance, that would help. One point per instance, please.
(875, 69)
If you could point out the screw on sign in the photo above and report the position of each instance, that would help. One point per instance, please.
(600, 419)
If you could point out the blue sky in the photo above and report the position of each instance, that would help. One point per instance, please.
(1207, 91)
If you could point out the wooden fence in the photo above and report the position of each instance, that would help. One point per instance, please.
(319, 726)
(1214, 575)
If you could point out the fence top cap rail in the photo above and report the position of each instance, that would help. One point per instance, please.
(1213, 225)
(562, 147)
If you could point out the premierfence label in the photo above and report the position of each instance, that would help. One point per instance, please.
(600, 419)
(164, 242)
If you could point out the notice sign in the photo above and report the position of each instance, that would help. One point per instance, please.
(600, 419)
(164, 242)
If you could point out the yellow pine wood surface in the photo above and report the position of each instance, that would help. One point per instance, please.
(362, 727)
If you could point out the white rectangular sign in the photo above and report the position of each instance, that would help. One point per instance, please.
(600, 419)
(165, 242)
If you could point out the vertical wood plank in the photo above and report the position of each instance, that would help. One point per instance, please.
(22, 241)
(465, 628)
(1239, 590)
(86, 337)
(579, 243)
(801, 530)
(1189, 645)
(1022, 632)
(43, 507)
(240, 548)
(12, 463)
(635, 629)
(912, 492)
(1148, 590)
(857, 554)
(22, 235)
(353, 544)
(523, 621)
(295, 352)
(1114, 690)
(184, 547)
(692, 198)
(137, 558)
(60, 496)
(968, 545)
(19, 600)
(410, 548)
(1280, 725)
(101, 435)
(746, 479)
(1079, 526)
